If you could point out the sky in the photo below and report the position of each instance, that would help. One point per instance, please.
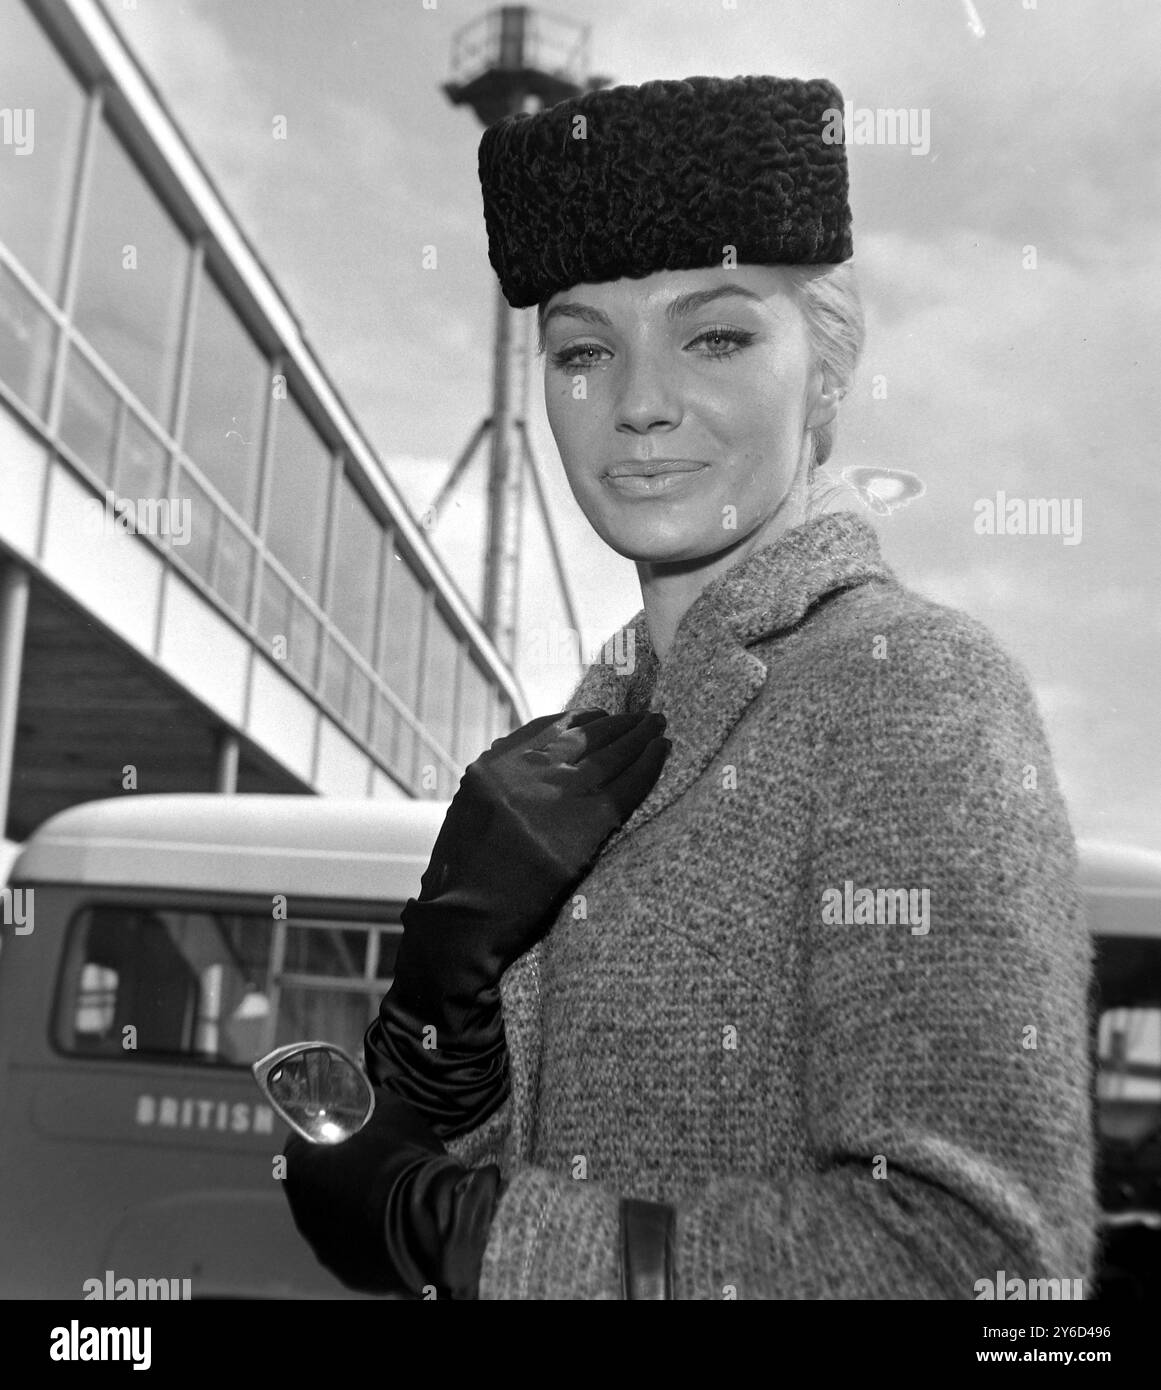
(1007, 258)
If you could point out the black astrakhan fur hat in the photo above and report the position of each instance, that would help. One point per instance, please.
(666, 176)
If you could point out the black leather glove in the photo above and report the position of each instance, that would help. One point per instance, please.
(387, 1211)
(528, 820)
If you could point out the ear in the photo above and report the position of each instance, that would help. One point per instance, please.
(823, 407)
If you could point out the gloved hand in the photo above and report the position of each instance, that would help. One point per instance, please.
(387, 1211)
(528, 820)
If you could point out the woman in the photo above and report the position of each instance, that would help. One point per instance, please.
(791, 1003)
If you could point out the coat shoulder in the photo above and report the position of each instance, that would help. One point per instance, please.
(887, 637)
(900, 691)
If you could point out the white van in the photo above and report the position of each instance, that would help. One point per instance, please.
(154, 947)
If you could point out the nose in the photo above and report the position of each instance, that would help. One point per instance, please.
(648, 397)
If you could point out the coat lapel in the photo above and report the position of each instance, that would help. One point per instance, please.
(711, 674)
(703, 686)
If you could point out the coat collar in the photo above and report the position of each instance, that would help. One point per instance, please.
(710, 675)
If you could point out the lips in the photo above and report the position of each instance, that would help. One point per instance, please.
(639, 468)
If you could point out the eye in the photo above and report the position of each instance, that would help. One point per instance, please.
(578, 357)
(724, 341)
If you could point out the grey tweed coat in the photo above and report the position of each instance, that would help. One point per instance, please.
(736, 1015)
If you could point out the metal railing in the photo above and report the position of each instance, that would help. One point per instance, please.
(519, 36)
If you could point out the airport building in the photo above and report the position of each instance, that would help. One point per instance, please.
(208, 580)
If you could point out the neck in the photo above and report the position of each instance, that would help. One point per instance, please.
(668, 589)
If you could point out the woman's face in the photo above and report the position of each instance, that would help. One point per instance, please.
(707, 373)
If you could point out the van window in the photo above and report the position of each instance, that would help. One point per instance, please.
(214, 987)
(1128, 1078)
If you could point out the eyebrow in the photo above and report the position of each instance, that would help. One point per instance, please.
(683, 304)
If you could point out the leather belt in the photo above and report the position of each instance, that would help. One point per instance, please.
(646, 1249)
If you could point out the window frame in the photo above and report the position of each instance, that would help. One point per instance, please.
(269, 468)
(73, 177)
(201, 271)
(104, 117)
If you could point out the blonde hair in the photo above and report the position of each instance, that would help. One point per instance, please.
(828, 296)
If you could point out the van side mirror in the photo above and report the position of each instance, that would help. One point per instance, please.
(318, 1089)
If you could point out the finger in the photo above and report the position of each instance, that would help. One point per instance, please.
(569, 723)
(604, 736)
(586, 716)
(628, 786)
(532, 734)
(568, 739)
(526, 734)
(609, 750)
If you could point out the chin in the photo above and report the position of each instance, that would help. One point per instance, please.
(654, 543)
